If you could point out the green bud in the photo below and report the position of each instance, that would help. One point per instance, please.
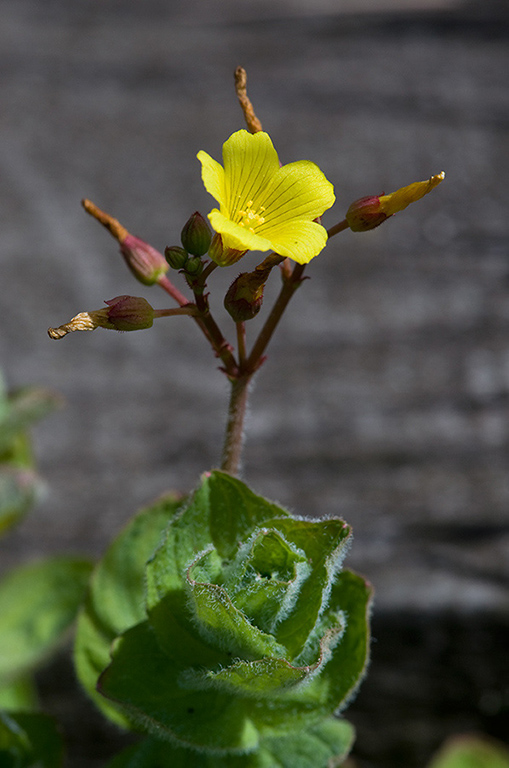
(176, 256)
(196, 235)
(194, 266)
(221, 254)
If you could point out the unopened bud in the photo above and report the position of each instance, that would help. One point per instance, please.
(365, 214)
(176, 256)
(144, 261)
(196, 235)
(244, 297)
(194, 266)
(369, 212)
(222, 255)
(123, 313)
(129, 313)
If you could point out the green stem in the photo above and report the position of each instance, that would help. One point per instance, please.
(234, 435)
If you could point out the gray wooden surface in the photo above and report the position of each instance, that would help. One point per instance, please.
(385, 398)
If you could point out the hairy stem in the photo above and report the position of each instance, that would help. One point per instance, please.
(234, 435)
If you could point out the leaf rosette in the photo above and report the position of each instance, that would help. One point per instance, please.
(240, 630)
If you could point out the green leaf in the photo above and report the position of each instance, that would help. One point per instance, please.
(342, 671)
(19, 489)
(115, 600)
(324, 746)
(22, 409)
(260, 679)
(148, 686)
(223, 626)
(235, 512)
(223, 512)
(325, 543)
(29, 741)
(472, 752)
(38, 602)
(264, 579)
(19, 695)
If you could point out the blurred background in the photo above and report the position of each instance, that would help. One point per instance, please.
(385, 398)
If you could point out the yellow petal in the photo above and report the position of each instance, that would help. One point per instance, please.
(235, 236)
(296, 191)
(398, 201)
(299, 240)
(212, 174)
(250, 161)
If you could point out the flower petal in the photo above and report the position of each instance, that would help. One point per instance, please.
(297, 191)
(299, 240)
(399, 200)
(250, 161)
(235, 236)
(212, 174)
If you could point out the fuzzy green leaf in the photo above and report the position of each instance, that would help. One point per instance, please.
(325, 544)
(224, 626)
(38, 602)
(223, 512)
(264, 579)
(324, 746)
(147, 684)
(115, 600)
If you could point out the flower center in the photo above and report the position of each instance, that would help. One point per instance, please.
(251, 218)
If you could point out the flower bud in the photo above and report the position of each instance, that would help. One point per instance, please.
(369, 212)
(129, 313)
(144, 261)
(123, 313)
(194, 266)
(244, 297)
(196, 235)
(222, 255)
(176, 256)
(365, 214)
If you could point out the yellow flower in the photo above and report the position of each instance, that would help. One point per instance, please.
(265, 206)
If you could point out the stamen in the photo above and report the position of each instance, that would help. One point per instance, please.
(251, 218)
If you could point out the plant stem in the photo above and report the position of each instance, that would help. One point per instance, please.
(290, 285)
(172, 290)
(234, 435)
(241, 343)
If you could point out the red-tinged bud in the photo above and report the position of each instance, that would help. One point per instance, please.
(129, 313)
(123, 313)
(222, 255)
(144, 261)
(196, 235)
(244, 297)
(176, 256)
(365, 214)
